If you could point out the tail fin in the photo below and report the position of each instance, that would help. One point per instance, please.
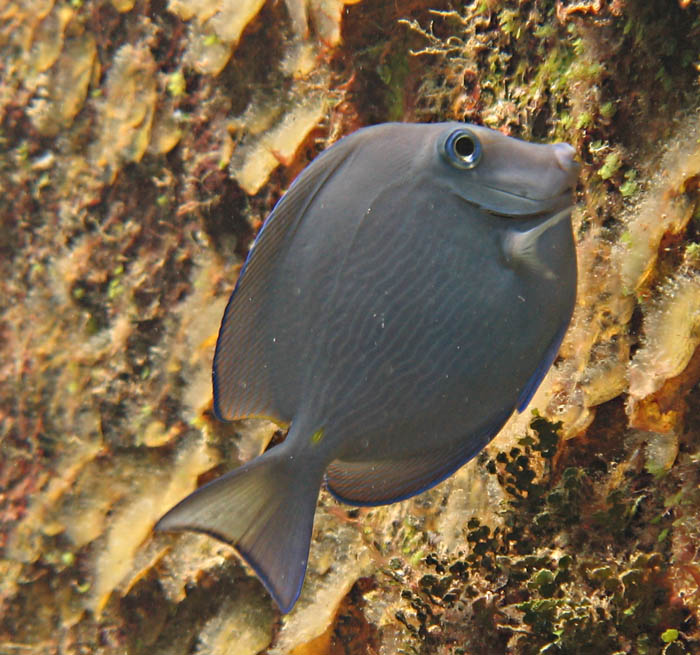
(265, 509)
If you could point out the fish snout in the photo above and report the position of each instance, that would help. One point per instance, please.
(564, 156)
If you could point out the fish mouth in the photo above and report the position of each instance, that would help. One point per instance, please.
(566, 194)
(533, 206)
(508, 204)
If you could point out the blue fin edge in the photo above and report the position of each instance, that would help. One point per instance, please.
(250, 561)
(528, 391)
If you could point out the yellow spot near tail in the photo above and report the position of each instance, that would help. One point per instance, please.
(317, 436)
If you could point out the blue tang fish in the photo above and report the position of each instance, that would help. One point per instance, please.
(406, 295)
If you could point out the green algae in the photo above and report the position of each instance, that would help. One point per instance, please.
(574, 603)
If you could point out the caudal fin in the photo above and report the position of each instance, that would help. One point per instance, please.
(265, 509)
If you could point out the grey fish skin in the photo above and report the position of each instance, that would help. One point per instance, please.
(405, 297)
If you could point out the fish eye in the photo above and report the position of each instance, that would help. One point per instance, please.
(462, 149)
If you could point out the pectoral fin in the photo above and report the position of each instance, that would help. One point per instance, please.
(520, 248)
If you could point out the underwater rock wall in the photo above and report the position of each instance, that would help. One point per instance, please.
(142, 145)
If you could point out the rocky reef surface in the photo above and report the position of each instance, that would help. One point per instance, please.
(141, 146)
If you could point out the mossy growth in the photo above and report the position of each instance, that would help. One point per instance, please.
(556, 576)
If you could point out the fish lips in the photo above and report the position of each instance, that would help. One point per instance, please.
(498, 201)
(507, 204)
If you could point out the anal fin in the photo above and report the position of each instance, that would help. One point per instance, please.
(386, 481)
(531, 386)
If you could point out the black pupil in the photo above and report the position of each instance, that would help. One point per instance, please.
(464, 146)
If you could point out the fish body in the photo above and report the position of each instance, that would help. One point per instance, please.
(406, 295)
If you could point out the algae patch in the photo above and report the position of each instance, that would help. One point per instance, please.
(132, 525)
(127, 110)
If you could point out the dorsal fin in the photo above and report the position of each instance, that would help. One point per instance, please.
(242, 374)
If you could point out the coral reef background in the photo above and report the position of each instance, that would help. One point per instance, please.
(141, 146)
